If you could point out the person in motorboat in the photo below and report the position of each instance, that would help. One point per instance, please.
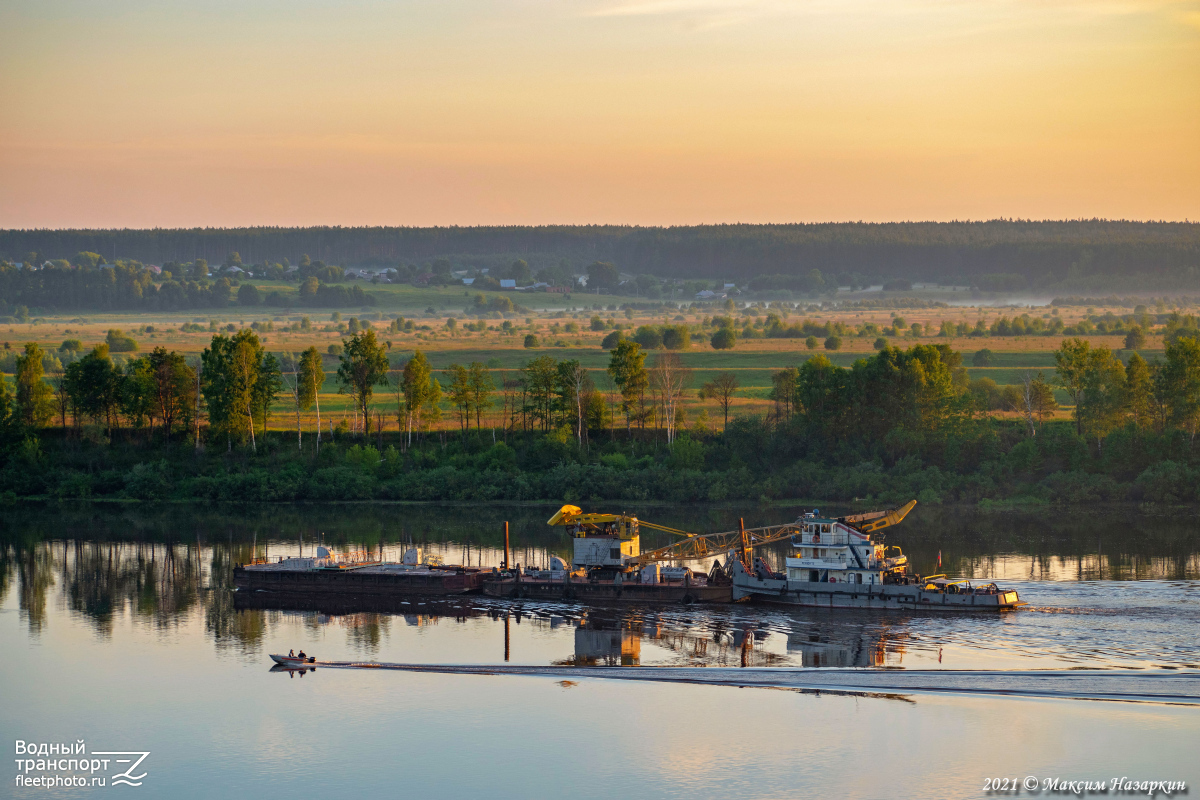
(292, 653)
(301, 656)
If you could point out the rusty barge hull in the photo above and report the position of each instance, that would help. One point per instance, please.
(608, 591)
(358, 583)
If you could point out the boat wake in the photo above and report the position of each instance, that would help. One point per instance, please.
(1142, 686)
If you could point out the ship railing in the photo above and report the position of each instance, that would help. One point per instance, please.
(818, 539)
(825, 563)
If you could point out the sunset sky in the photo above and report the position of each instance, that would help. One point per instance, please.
(296, 112)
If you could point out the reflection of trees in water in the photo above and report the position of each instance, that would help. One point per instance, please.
(364, 631)
(7, 554)
(35, 569)
(157, 583)
(230, 627)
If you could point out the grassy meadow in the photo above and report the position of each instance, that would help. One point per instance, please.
(562, 325)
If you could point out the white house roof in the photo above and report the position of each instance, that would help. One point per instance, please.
(508, 283)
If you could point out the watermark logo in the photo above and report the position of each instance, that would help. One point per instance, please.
(127, 777)
(52, 765)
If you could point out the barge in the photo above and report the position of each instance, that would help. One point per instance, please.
(607, 565)
(326, 575)
(647, 585)
(836, 564)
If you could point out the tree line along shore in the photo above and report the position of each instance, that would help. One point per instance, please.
(243, 423)
(1086, 255)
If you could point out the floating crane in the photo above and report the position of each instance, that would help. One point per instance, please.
(601, 531)
(877, 520)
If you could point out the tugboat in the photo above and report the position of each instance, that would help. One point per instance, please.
(836, 564)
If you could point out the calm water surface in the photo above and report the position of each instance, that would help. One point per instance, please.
(120, 628)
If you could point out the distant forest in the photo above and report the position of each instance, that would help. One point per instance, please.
(997, 255)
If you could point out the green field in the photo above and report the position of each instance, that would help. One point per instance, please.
(752, 361)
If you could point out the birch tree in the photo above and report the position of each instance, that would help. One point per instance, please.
(482, 388)
(670, 378)
(417, 388)
(310, 377)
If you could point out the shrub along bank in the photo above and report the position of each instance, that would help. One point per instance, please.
(752, 460)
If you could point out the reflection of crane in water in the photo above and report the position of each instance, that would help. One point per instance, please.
(618, 642)
(847, 646)
(745, 644)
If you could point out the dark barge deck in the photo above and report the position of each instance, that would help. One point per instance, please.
(366, 581)
(608, 591)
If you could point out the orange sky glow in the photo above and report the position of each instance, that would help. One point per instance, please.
(181, 114)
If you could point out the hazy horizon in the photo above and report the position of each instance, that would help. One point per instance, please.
(249, 226)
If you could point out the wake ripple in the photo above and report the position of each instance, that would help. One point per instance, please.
(1147, 686)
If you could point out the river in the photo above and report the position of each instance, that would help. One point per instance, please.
(121, 628)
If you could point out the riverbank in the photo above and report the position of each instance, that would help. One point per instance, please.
(750, 462)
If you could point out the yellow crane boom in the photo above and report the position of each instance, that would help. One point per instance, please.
(573, 515)
(877, 520)
(698, 546)
(694, 546)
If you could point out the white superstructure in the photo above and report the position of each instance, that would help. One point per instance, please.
(829, 551)
(835, 564)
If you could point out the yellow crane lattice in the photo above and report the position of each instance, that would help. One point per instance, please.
(694, 546)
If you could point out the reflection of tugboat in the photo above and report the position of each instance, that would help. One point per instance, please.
(594, 647)
(856, 649)
(836, 564)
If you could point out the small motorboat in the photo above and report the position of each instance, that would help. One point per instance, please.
(293, 661)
